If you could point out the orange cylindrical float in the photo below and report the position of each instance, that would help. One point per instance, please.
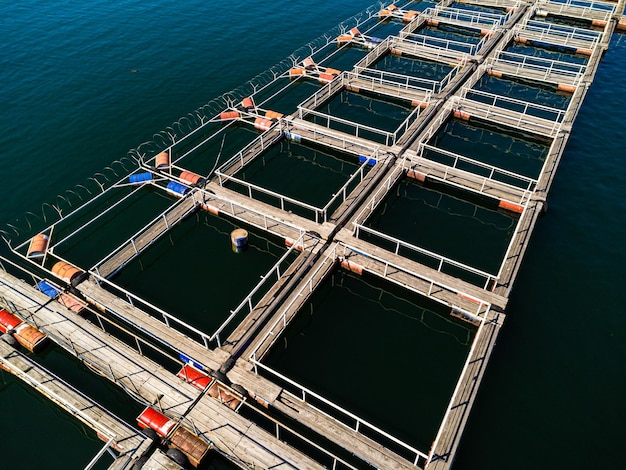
(296, 72)
(194, 447)
(510, 206)
(355, 32)
(416, 175)
(162, 160)
(384, 13)
(421, 104)
(151, 418)
(494, 73)
(226, 115)
(566, 88)
(395, 51)
(467, 297)
(621, 25)
(212, 209)
(248, 103)
(290, 242)
(332, 71)
(326, 77)
(354, 267)
(26, 335)
(598, 23)
(191, 178)
(66, 271)
(194, 376)
(262, 124)
(520, 39)
(344, 38)
(585, 52)
(409, 16)
(432, 22)
(38, 245)
(273, 114)
(392, 7)
(463, 115)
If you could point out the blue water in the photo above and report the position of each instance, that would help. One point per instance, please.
(82, 83)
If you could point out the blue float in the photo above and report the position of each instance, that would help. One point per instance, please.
(177, 189)
(140, 177)
(48, 288)
(369, 161)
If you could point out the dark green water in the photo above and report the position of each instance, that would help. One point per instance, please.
(553, 393)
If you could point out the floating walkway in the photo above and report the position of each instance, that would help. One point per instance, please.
(224, 395)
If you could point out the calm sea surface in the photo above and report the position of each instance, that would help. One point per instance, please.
(84, 82)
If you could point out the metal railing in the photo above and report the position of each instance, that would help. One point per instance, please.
(361, 426)
(477, 19)
(482, 306)
(526, 184)
(470, 359)
(283, 201)
(334, 139)
(265, 342)
(389, 138)
(522, 120)
(586, 9)
(546, 68)
(247, 301)
(403, 82)
(160, 225)
(320, 215)
(250, 151)
(356, 129)
(525, 108)
(323, 94)
(435, 48)
(431, 259)
(234, 210)
(562, 35)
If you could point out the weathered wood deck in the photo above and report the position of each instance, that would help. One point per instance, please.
(326, 247)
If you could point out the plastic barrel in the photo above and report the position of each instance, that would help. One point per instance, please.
(48, 288)
(194, 376)
(37, 246)
(151, 418)
(162, 160)
(176, 188)
(140, 177)
(66, 271)
(239, 240)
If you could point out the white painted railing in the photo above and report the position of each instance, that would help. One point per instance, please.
(435, 48)
(495, 173)
(273, 273)
(401, 82)
(482, 306)
(297, 131)
(434, 260)
(478, 19)
(526, 108)
(360, 425)
(522, 64)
